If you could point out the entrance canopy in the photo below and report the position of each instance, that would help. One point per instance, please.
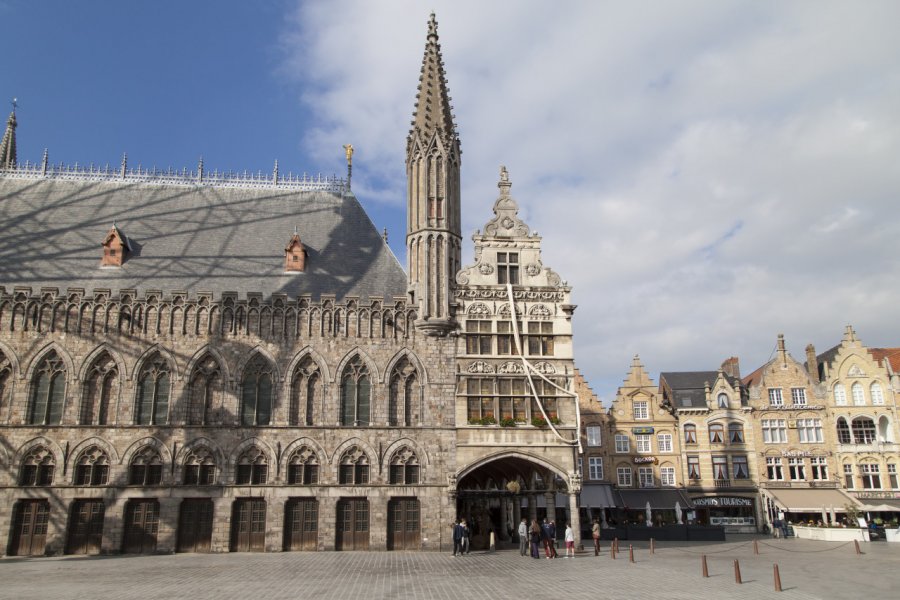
(810, 500)
(658, 499)
(597, 495)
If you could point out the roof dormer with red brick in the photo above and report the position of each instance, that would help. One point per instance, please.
(294, 255)
(115, 246)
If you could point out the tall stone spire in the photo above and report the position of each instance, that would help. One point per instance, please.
(433, 237)
(8, 145)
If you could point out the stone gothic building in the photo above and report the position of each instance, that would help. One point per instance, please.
(196, 361)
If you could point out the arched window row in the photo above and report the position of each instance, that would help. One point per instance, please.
(200, 467)
(199, 317)
(204, 395)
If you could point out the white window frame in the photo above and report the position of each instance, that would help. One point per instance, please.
(797, 469)
(877, 394)
(776, 398)
(810, 431)
(624, 476)
(645, 477)
(623, 444)
(774, 431)
(594, 435)
(840, 394)
(740, 467)
(798, 396)
(871, 475)
(858, 394)
(774, 468)
(643, 443)
(667, 476)
(595, 467)
(819, 466)
(641, 410)
(664, 442)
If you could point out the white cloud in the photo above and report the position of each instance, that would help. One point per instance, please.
(705, 174)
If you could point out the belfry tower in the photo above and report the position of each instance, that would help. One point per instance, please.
(433, 206)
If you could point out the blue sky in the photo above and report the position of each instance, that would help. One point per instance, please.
(705, 174)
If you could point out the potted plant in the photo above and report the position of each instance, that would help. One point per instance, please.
(507, 422)
(539, 421)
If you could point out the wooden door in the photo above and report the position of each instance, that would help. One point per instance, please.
(352, 524)
(86, 527)
(403, 524)
(195, 523)
(30, 528)
(301, 524)
(248, 525)
(141, 526)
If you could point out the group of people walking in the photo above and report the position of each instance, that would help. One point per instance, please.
(461, 534)
(543, 534)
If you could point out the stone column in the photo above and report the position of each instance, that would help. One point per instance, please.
(504, 519)
(221, 533)
(517, 512)
(167, 534)
(532, 508)
(550, 498)
(575, 519)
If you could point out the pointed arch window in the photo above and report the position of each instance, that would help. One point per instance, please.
(402, 393)
(200, 467)
(92, 467)
(145, 468)
(863, 430)
(48, 391)
(5, 373)
(843, 431)
(856, 390)
(355, 394)
(37, 468)
(257, 392)
(304, 392)
(404, 469)
(153, 392)
(877, 394)
(206, 381)
(303, 467)
(100, 387)
(252, 468)
(840, 394)
(354, 467)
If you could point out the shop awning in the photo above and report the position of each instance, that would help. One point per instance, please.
(882, 505)
(658, 499)
(810, 500)
(597, 495)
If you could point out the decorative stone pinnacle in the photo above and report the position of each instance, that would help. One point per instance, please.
(504, 184)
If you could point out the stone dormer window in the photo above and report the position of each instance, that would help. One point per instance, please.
(294, 255)
(115, 248)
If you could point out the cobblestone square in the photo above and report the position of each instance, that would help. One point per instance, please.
(808, 570)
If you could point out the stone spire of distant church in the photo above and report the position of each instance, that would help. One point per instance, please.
(8, 145)
(433, 237)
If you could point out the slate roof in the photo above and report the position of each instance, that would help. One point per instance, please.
(191, 239)
(689, 387)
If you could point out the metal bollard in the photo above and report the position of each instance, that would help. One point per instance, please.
(755, 547)
(705, 570)
(630, 553)
(652, 546)
(856, 545)
(777, 579)
(737, 572)
(612, 551)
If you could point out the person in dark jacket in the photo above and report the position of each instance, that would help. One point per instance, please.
(458, 531)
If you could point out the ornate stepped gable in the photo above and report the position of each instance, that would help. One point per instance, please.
(507, 231)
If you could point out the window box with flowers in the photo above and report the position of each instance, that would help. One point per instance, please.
(540, 421)
(483, 421)
(507, 423)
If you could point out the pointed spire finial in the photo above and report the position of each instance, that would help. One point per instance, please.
(8, 144)
(433, 113)
(348, 151)
(384, 235)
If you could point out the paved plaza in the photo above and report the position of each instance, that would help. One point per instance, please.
(808, 570)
